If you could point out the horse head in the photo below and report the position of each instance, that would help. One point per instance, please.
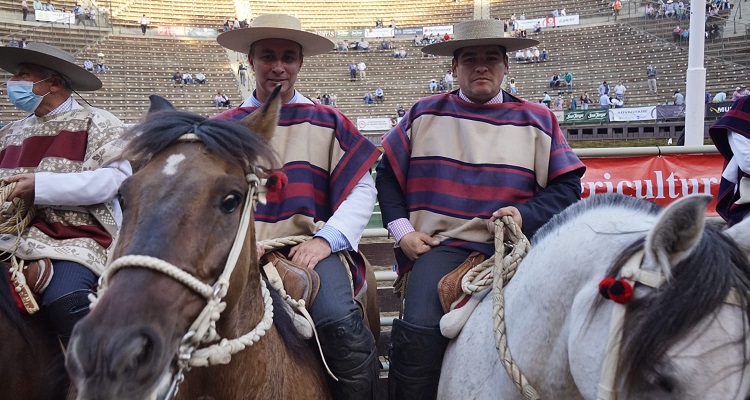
(182, 209)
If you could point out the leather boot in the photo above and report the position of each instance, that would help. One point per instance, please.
(64, 312)
(350, 351)
(416, 355)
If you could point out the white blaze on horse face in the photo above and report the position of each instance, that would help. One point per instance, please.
(172, 163)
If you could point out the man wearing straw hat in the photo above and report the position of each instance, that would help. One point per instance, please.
(455, 163)
(330, 194)
(60, 159)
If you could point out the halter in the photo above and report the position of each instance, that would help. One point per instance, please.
(632, 273)
(203, 329)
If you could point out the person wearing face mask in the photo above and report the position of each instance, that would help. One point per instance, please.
(62, 159)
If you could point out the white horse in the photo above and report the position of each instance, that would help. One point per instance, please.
(682, 340)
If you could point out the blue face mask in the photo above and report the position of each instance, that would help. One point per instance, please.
(21, 94)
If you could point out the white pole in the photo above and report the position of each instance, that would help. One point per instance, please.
(696, 76)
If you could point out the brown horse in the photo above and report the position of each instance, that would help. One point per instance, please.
(183, 206)
(31, 361)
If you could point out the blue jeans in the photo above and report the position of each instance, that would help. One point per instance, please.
(335, 299)
(69, 277)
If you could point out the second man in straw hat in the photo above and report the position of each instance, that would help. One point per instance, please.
(453, 164)
(330, 194)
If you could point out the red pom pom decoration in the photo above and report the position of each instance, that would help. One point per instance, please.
(617, 290)
(276, 181)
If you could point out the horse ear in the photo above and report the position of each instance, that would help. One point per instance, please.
(677, 231)
(159, 103)
(740, 233)
(263, 121)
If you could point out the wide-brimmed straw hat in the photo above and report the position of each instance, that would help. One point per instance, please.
(275, 26)
(480, 32)
(49, 57)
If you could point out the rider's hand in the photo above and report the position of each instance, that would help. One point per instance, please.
(502, 212)
(414, 244)
(24, 187)
(311, 252)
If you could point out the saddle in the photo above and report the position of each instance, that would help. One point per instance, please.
(449, 287)
(301, 283)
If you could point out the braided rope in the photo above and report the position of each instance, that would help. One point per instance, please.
(15, 215)
(497, 271)
(278, 243)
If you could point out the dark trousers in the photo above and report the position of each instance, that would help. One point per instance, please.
(25, 13)
(143, 28)
(334, 300)
(422, 304)
(69, 277)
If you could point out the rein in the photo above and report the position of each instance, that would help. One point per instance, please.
(203, 329)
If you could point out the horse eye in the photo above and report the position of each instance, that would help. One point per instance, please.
(230, 203)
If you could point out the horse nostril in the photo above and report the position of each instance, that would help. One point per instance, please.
(131, 353)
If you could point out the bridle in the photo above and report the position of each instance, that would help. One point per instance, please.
(203, 330)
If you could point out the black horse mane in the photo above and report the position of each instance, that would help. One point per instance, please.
(8, 308)
(225, 138)
(285, 326)
(657, 321)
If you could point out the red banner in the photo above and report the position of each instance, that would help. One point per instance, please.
(661, 179)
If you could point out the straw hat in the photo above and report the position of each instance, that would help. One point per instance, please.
(480, 32)
(100, 54)
(275, 26)
(49, 57)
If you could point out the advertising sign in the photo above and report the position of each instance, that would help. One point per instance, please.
(670, 112)
(575, 116)
(379, 32)
(438, 30)
(716, 110)
(529, 23)
(373, 124)
(632, 114)
(567, 20)
(661, 179)
(597, 116)
(55, 16)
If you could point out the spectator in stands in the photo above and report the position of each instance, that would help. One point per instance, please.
(379, 23)
(143, 22)
(417, 41)
(707, 97)
(441, 86)
(352, 71)
(437, 233)
(334, 206)
(651, 78)
(38, 5)
(546, 100)
(91, 16)
(177, 78)
(603, 88)
(563, 12)
(88, 66)
(736, 94)
(369, 98)
(585, 101)
(49, 6)
(555, 13)
(520, 56)
(616, 103)
(731, 135)
(650, 11)
(554, 80)
(379, 96)
(572, 102)
(100, 64)
(221, 100)
(559, 103)
(512, 86)
(536, 54)
(743, 90)
(393, 23)
(341, 46)
(361, 67)
(24, 9)
(225, 25)
(73, 178)
(604, 101)
(187, 78)
(620, 90)
(720, 97)
(23, 44)
(568, 78)
(334, 99)
(545, 55)
(678, 98)
(538, 27)
(242, 71)
(383, 44)
(363, 44)
(529, 55)
(616, 7)
(660, 12)
(13, 42)
(400, 111)
(669, 9)
(433, 85)
(446, 37)
(402, 53)
(448, 78)
(200, 78)
(79, 14)
(680, 10)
